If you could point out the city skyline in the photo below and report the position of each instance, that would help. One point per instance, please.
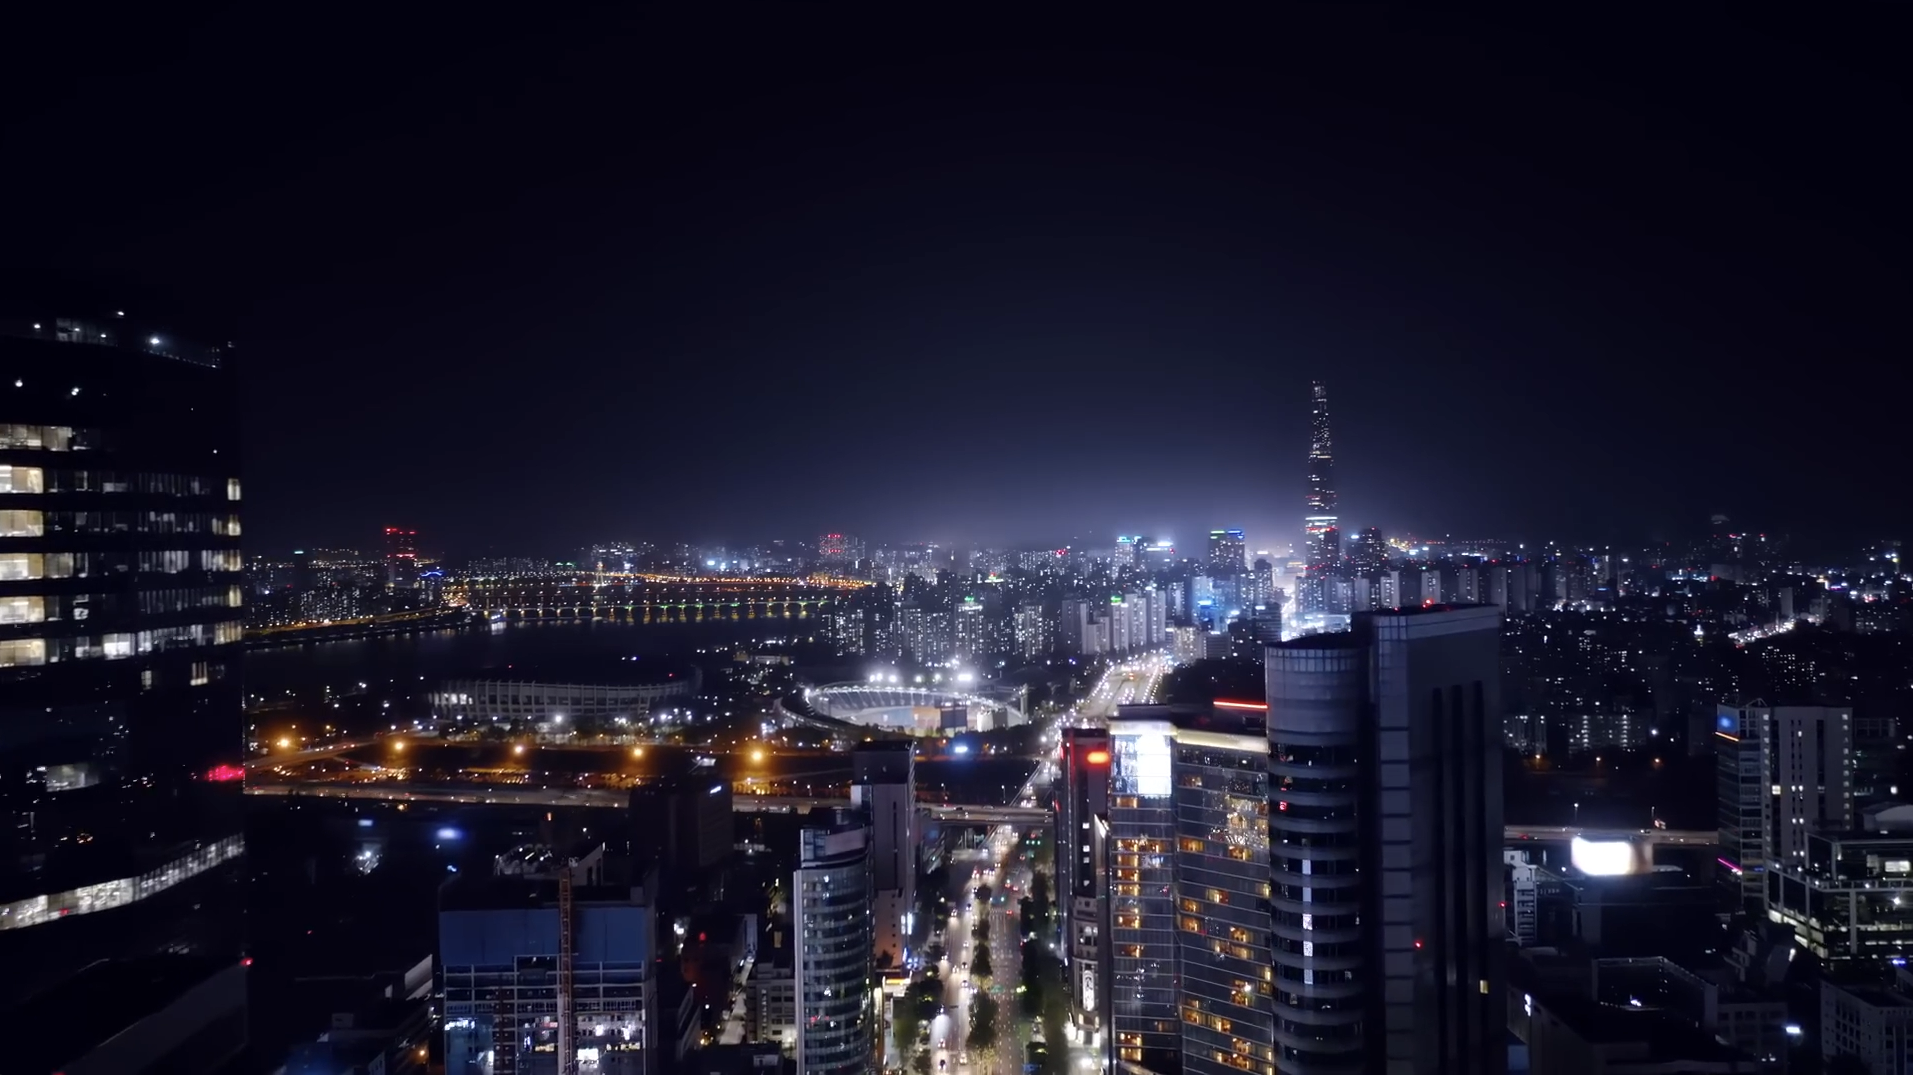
(805, 540)
(1550, 300)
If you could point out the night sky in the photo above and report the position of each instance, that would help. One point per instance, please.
(524, 284)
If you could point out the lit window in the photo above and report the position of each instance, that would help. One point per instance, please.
(21, 565)
(22, 651)
(232, 488)
(22, 609)
(22, 524)
(21, 479)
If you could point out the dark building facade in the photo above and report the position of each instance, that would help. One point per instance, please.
(1082, 872)
(683, 823)
(121, 718)
(1386, 771)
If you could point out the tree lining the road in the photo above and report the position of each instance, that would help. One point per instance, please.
(917, 1006)
(983, 1011)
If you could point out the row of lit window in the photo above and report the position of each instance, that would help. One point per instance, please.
(35, 608)
(19, 479)
(36, 523)
(28, 652)
(47, 438)
(15, 566)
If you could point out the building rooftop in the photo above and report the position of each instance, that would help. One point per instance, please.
(1878, 996)
(619, 672)
(1665, 1038)
(113, 994)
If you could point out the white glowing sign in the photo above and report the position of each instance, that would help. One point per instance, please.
(1143, 764)
(1603, 858)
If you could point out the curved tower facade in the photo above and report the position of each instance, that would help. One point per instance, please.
(1385, 845)
(1316, 692)
(831, 905)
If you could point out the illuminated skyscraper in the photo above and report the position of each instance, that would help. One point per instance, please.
(1227, 553)
(1225, 978)
(121, 725)
(401, 558)
(1323, 547)
(972, 629)
(1144, 1020)
(839, 549)
(831, 908)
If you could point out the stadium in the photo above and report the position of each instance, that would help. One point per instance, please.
(920, 710)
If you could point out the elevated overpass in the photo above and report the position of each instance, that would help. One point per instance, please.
(1658, 837)
(619, 798)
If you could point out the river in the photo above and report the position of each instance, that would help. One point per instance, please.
(434, 655)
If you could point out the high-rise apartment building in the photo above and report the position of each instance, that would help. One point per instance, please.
(1369, 552)
(1032, 631)
(884, 786)
(1228, 553)
(1085, 627)
(972, 629)
(1322, 545)
(121, 725)
(831, 910)
(1784, 772)
(1385, 845)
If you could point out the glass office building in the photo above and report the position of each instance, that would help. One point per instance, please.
(1222, 900)
(121, 720)
(1143, 1020)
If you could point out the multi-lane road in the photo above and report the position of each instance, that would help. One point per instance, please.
(1131, 682)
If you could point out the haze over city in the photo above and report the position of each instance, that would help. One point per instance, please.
(649, 273)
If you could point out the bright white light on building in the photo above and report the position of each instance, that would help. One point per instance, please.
(1603, 858)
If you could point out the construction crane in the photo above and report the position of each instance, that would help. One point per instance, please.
(567, 1023)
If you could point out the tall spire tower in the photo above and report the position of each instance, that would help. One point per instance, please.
(1323, 547)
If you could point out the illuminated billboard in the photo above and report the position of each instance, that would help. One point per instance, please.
(1606, 858)
(1143, 754)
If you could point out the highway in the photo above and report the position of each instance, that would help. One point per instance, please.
(1025, 816)
(1133, 682)
(1565, 833)
(333, 750)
